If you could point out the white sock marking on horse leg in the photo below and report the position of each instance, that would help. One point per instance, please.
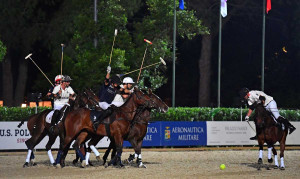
(135, 155)
(50, 156)
(140, 156)
(28, 156)
(281, 162)
(260, 154)
(276, 160)
(87, 157)
(94, 150)
(270, 153)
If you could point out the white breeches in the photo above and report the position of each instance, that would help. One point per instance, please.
(104, 105)
(272, 107)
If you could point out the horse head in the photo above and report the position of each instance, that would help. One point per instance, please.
(84, 100)
(158, 103)
(262, 117)
(141, 99)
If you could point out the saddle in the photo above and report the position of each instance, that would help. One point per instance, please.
(100, 117)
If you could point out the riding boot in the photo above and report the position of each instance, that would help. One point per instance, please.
(53, 121)
(287, 124)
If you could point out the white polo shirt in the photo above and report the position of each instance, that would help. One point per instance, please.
(254, 97)
(65, 94)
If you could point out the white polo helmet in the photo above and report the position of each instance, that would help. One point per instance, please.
(128, 80)
(58, 78)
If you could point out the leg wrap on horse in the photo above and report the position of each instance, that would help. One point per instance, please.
(58, 157)
(79, 154)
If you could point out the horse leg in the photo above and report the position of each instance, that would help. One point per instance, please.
(31, 143)
(91, 147)
(64, 152)
(275, 157)
(51, 141)
(119, 146)
(282, 148)
(260, 155)
(138, 151)
(81, 138)
(111, 145)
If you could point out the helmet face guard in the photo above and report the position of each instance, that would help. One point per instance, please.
(243, 92)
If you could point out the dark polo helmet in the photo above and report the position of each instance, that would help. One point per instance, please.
(243, 92)
(66, 78)
(115, 79)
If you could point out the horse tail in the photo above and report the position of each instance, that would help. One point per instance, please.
(22, 122)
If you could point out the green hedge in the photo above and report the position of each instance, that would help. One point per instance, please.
(174, 114)
(18, 113)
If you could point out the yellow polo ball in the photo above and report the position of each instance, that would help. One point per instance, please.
(222, 166)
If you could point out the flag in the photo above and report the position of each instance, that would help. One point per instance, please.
(224, 8)
(181, 4)
(268, 6)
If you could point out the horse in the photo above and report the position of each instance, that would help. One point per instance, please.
(78, 125)
(270, 133)
(138, 130)
(39, 128)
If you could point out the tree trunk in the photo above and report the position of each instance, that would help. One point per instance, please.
(7, 79)
(21, 83)
(204, 66)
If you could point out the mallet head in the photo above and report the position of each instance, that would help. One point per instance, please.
(162, 61)
(116, 32)
(28, 56)
(62, 45)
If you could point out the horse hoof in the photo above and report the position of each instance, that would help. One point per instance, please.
(282, 168)
(275, 167)
(106, 165)
(83, 164)
(74, 162)
(33, 164)
(91, 164)
(270, 160)
(26, 165)
(98, 158)
(62, 165)
(142, 166)
(260, 161)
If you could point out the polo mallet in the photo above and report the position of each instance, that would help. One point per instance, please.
(29, 56)
(148, 42)
(251, 126)
(112, 47)
(161, 61)
(62, 57)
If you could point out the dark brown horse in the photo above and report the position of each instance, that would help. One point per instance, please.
(270, 133)
(78, 124)
(138, 130)
(39, 128)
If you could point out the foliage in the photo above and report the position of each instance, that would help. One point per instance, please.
(150, 19)
(173, 114)
(2, 51)
(18, 113)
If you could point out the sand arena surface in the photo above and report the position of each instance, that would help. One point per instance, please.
(161, 163)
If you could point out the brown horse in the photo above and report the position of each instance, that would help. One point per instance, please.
(78, 124)
(270, 133)
(39, 128)
(138, 130)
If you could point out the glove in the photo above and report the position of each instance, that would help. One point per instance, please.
(247, 118)
(108, 69)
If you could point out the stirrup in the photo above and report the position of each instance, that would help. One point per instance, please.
(253, 138)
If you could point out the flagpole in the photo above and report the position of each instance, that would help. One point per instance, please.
(219, 57)
(174, 56)
(263, 47)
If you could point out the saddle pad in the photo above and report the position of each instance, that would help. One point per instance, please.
(49, 116)
(94, 115)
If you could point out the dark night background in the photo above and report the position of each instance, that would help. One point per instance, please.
(241, 61)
